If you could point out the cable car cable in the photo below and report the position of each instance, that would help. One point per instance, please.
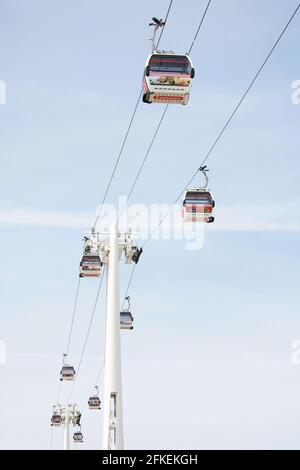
(126, 135)
(230, 117)
(128, 285)
(120, 154)
(118, 160)
(70, 333)
(199, 27)
(87, 334)
(119, 157)
(98, 375)
(144, 160)
(105, 195)
(73, 316)
(129, 195)
(149, 148)
(223, 129)
(58, 391)
(165, 20)
(147, 153)
(160, 122)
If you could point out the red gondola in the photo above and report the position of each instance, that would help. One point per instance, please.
(198, 203)
(90, 266)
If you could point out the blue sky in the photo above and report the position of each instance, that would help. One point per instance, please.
(209, 359)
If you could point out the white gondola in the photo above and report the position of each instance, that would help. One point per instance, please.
(67, 371)
(94, 400)
(126, 318)
(167, 78)
(198, 203)
(90, 266)
(78, 437)
(56, 419)
(94, 403)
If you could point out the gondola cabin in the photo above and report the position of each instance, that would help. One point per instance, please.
(167, 78)
(198, 205)
(78, 437)
(67, 373)
(90, 266)
(94, 403)
(56, 419)
(126, 320)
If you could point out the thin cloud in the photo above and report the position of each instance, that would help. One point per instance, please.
(235, 218)
(258, 218)
(24, 217)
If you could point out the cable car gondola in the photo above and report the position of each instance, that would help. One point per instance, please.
(56, 419)
(90, 266)
(167, 78)
(198, 203)
(126, 318)
(67, 372)
(78, 436)
(94, 401)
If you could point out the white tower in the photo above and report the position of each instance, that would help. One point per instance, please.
(67, 428)
(111, 251)
(112, 409)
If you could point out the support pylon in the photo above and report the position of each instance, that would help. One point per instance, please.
(67, 429)
(112, 410)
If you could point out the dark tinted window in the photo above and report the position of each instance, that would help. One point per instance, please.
(174, 64)
(91, 259)
(199, 196)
